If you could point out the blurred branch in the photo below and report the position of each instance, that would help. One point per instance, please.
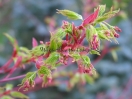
(13, 78)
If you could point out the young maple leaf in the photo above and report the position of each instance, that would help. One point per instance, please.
(91, 18)
(34, 42)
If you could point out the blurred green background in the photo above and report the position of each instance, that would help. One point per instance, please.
(25, 19)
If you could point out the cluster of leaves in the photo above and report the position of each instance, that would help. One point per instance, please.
(7, 93)
(66, 43)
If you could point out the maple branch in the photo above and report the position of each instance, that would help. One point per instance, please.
(13, 78)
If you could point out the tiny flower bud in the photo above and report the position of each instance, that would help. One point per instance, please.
(80, 69)
(107, 33)
(41, 42)
(117, 29)
(116, 35)
(38, 65)
(26, 84)
(94, 42)
(65, 24)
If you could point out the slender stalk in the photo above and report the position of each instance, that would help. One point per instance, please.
(13, 78)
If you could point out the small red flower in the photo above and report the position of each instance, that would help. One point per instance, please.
(84, 69)
(94, 42)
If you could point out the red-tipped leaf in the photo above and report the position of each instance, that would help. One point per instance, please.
(91, 18)
(34, 42)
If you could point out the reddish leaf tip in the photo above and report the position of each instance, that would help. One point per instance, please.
(34, 42)
(91, 18)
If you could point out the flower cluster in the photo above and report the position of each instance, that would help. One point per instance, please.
(67, 37)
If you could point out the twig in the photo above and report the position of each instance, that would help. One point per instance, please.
(13, 78)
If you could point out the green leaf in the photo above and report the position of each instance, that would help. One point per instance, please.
(88, 34)
(94, 52)
(60, 33)
(39, 50)
(24, 49)
(114, 55)
(9, 87)
(75, 79)
(56, 40)
(68, 29)
(89, 79)
(93, 29)
(103, 26)
(70, 14)
(29, 76)
(52, 59)
(53, 46)
(44, 71)
(13, 41)
(101, 9)
(16, 94)
(103, 36)
(107, 16)
(86, 60)
(75, 56)
(6, 97)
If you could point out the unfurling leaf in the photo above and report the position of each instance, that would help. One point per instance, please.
(7, 97)
(19, 95)
(9, 87)
(60, 33)
(52, 59)
(91, 18)
(44, 71)
(45, 74)
(34, 42)
(75, 56)
(55, 44)
(93, 29)
(28, 81)
(101, 9)
(74, 80)
(86, 60)
(13, 41)
(107, 15)
(90, 32)
(39, 50)
(103, 36)
(94, 52)
(29, 76)
(24, 49)
(70, 14)
(114, 55)
(103, 26)
(89, 79)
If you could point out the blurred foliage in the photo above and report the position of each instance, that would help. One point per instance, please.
(6, 92)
